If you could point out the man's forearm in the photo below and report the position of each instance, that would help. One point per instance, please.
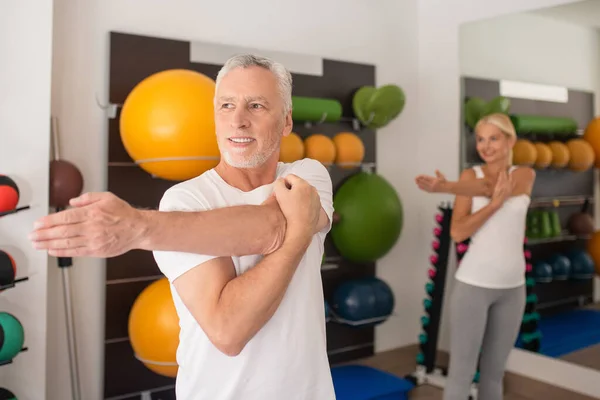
(248, 302)
(229, 231)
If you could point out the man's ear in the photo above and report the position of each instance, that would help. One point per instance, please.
(288, 124)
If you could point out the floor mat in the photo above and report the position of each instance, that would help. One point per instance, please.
(567, 332)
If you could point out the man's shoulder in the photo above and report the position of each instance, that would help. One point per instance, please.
(194, 192)
(305, 166)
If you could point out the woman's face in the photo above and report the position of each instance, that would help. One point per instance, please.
(492, 144)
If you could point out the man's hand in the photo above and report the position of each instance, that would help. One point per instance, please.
(300, 204)
(99, 225)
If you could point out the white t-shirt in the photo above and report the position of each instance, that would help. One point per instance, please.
(287, 358)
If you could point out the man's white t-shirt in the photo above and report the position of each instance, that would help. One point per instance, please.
(287, 358)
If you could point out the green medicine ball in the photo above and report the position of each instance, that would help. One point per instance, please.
(371, 218)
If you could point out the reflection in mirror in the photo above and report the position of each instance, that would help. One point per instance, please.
(542, 69)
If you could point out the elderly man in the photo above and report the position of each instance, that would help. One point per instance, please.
(241, 245)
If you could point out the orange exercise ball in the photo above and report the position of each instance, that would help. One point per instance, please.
(592, 136)
(349, 150)
(524, 153)
(544, 155)
(321, 148)
(560, 154)
(593, 249)
(154, 328)
(167, 124)
(291, 148)
(581, 155)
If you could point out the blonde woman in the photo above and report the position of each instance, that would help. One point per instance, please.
(488, 297)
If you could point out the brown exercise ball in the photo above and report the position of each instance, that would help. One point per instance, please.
(66, 182)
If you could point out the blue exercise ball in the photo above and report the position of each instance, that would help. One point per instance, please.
(561, 267)
(542, 271)
(363, 299)
(582, 265)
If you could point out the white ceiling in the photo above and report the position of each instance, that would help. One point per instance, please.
(585, 13)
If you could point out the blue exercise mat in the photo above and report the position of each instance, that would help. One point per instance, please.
(567, 332)
(357, 382)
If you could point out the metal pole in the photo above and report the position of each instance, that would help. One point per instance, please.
(65, 263)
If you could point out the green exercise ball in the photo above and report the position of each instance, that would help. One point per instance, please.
(369, 218)
(12, 336)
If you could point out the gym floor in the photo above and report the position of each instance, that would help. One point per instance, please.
(588, 357)
(400, 362)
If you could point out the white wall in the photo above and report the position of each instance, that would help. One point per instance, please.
(26, 55)
(532, 48)
(439, 126)
(338, 29)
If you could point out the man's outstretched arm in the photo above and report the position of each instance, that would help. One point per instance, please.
(103, 225)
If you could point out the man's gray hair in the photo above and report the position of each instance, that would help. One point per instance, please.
(283, 76)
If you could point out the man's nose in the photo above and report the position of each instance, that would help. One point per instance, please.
(240, 118)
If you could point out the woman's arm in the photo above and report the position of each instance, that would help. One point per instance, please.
(524, 178)
(470, 188)
(464, 224)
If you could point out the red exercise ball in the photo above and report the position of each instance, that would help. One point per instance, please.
(9, 194)
(8, 269)
(66, 182)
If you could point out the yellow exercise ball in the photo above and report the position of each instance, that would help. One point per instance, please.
(291, 148)
(544, 155)
(524, 153)
(349, 150)
(581, 155)
(592, 136)
(167, 124)
(321, 148)
(154, 328)
(560, 154)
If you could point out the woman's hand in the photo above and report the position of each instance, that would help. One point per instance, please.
(432, 184)
(503, 189)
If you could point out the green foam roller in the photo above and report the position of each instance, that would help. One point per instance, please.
(12, 336)
(313, 109)
(544, 125)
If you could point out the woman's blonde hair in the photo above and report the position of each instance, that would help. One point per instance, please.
(502, 122)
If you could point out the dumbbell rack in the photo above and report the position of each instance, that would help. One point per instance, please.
(427, 372)
(529, 333)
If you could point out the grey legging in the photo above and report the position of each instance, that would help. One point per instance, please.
(487, 320)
